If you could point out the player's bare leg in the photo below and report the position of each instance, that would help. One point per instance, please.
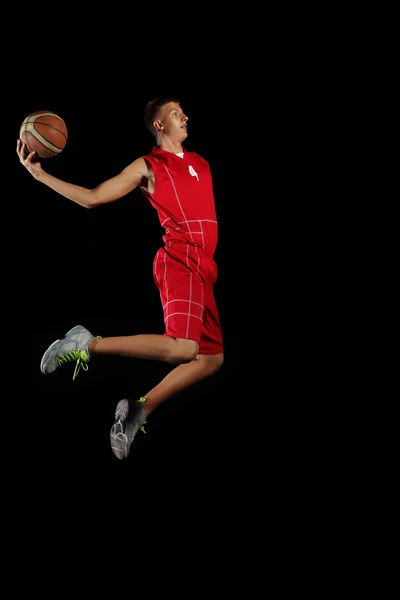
(147, 346)
(182, 377)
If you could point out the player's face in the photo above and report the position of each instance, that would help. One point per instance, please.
(174, 121)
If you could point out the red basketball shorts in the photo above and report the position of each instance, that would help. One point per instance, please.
(185, 277)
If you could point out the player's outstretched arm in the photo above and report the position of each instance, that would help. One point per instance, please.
(112, 189)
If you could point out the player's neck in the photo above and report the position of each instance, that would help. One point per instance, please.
(170, 146)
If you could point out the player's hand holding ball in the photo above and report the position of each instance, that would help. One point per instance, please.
(43, 134)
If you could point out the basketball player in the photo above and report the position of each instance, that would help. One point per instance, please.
(179, 186)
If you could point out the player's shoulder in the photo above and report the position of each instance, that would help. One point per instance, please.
(150, 160)
(137, 168)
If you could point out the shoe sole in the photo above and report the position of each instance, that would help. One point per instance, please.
(119, 441)
(119, 444)
(45, 355)
(122, 409)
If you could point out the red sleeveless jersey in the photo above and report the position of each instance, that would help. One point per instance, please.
(184, 199)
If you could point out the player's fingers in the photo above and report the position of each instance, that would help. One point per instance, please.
(20, 146)
(21, 153)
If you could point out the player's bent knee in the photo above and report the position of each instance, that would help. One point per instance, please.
(185, 351)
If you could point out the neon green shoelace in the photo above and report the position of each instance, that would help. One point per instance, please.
(142, 400)
(79, 356)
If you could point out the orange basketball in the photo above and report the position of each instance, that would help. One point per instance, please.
(45, 133)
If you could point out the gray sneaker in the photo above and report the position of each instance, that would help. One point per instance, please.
(73, 347)
(129, 418)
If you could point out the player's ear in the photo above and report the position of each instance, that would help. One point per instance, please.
(158, 125)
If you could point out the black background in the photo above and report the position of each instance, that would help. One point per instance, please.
(243, 454)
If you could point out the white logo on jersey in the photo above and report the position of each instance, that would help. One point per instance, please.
(193, 172)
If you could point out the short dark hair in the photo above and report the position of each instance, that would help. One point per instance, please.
(152, 110)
